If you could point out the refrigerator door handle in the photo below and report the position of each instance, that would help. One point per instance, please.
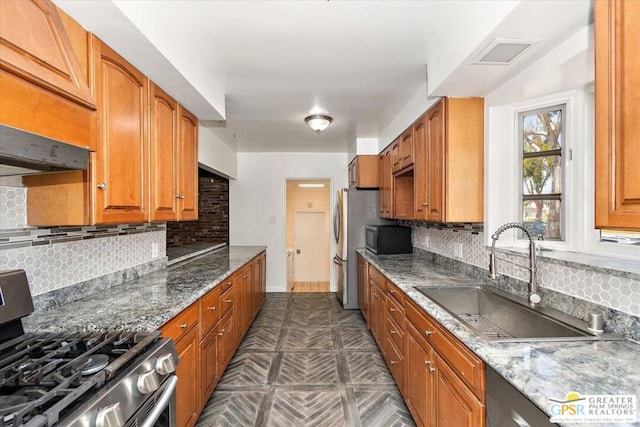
(337, 261)
(336, 223)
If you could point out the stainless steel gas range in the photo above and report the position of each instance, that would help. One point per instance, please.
(80, 380)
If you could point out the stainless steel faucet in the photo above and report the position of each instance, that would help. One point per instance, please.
(534, 297)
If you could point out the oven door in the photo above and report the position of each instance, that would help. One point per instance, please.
(160, 409)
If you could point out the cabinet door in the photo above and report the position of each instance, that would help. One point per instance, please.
(419, 378)
(353, 173)
(188, 373)
(363, 288)
(209, 365)
(35, 46)
(187, 165)
(436, 160)
(396, 156)
(162, 150)
(420, 169)
(406, 148)
(455, 404)
(617, 109)
(226, 341)
(381, 182)
(121, 167)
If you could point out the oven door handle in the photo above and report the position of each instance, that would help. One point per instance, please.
(162, 403)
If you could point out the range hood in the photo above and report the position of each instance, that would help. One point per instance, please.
(24, 153)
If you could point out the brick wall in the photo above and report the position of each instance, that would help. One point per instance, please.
(213, 214)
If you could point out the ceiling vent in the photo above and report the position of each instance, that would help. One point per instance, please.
(502, 52)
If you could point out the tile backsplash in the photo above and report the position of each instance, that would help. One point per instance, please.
(58, 257)
(620, 292)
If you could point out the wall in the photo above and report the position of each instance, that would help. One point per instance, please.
(58, 257)
(215, 155)
(308, 199)
(257, 201)
(213, 214)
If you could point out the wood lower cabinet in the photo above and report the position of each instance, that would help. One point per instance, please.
(441, 380)
(206, 338)
(617, 88)
(419, 379)
(363, 288)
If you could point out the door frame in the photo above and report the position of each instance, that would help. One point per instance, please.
(332, 203)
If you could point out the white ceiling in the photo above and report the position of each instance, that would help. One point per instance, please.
(275, 62)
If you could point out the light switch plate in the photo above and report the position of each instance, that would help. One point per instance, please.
(457, 250)
(154, 250)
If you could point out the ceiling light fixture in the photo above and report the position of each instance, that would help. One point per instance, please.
(311, 185)
(318, 122)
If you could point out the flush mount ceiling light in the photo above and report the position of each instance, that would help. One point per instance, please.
(311, 185)
(318, 122)
(503, 51)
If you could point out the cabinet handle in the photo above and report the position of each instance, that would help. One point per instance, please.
(393, 332)
(429, 332)
(229, 301)
(184, 325)
(431, 369)
(427, 362)
(424, 204)
(393, 362)
(181, 196)
(245, 277)
(102, 185)
(221, 333)
(213, 308)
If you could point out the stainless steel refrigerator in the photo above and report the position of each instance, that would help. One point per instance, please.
(354, 210)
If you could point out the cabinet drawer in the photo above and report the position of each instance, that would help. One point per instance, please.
(209, 311)
(395, 292)
(225, 284)
(178, 327)
(395, 359)
(466, 364)
(226, 300)
(376, 277)
(396, 333)
(396, 311)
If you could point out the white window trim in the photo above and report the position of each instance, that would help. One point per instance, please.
(503, 196)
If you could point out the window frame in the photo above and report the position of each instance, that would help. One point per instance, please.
(563, 152)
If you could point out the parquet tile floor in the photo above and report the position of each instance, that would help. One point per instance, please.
(306, 362)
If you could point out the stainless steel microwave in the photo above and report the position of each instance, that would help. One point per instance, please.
(388, 239)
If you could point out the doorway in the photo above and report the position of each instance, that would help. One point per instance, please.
(308, 232)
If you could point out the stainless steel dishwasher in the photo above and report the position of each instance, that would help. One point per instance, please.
(507, 407)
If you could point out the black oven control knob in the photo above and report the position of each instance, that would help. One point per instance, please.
(148, 382)
(110, 416)
(165, 364)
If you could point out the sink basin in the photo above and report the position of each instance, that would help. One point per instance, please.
(499, 316)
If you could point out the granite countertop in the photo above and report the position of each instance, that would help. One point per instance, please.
(540, 370)
(145, 303)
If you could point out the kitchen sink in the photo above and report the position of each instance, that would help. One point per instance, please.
(499, 316)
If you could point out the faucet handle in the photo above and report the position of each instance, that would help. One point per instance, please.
(535, 298)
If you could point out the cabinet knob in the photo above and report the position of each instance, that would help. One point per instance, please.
(102, 185)
(184, 325)
(429, 332)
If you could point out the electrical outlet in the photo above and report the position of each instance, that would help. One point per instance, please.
(457, 250)
(427, 243)
(154, 250)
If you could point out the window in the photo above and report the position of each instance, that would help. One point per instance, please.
(541, 134)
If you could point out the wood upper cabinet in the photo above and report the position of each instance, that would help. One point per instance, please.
(187, 161)
(386, 184)
(402, 151)
(617, 91)
(44, 87)
(449, 162)
(162, 152)
(363, 172)
(174, 159)
(122, 156)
